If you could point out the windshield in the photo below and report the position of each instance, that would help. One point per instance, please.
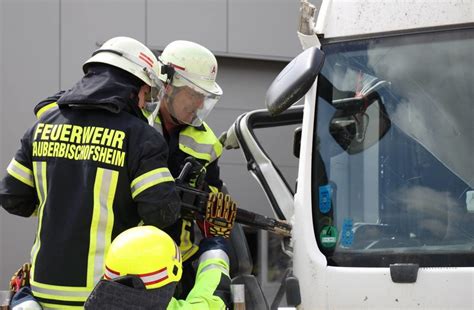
(393, 164)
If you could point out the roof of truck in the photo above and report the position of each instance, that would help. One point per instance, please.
(344, 18)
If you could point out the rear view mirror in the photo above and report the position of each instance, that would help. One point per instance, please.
(294, 81)
(355, 130)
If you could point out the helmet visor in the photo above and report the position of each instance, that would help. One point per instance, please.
(191, 104)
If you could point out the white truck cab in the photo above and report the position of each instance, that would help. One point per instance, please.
(383, 213)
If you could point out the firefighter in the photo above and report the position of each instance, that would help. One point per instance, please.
(143, 267)
(90, 168)
(190, 92)
(188, 95)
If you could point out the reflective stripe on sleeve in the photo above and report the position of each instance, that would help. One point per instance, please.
(214, 259)
(220, 254)
(21, 173)
(202, 144)
(198, 150)
(47, 108)
(150, 179)
(223, 269)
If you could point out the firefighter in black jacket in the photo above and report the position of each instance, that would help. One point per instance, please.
(91, 168)
(189, 94)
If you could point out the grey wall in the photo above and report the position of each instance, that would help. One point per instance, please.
(43, 44)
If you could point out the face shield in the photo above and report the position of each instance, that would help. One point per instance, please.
(189, 100)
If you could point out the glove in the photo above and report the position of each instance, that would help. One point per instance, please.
(195, 177)
(221, 211)
(21, 278)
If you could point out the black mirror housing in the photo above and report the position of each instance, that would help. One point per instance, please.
(294, 81)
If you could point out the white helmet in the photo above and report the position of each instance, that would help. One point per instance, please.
(188, 64)
(130, 55)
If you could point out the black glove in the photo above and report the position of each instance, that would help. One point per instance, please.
(195, 177)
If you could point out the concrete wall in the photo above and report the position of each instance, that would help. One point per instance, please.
(43, 44)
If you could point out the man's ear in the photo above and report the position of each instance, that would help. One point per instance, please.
(142, 94)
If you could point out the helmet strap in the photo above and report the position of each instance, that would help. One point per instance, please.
(169, 71)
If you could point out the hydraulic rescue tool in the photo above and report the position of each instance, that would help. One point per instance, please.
(195, 200)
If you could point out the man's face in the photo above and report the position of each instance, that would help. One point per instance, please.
(186, 103)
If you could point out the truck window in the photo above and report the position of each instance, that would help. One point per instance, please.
(393, 169)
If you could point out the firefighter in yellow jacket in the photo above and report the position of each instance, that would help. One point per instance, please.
(144, 265)
(90, 168)
(189, 72)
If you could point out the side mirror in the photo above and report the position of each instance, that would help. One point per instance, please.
(294, 81)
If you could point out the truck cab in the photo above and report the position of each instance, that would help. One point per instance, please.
(383, 210)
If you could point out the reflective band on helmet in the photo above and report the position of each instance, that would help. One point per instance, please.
(102, 221)
(150, 179)
(21, 173)
(149, 278)
(110, 274)
(177, 253)
(154, 277)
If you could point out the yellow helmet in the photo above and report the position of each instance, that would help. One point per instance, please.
(146, 252)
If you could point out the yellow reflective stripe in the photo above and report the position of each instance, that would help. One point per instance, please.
(56, 292)
(47, 306)
(21, 173)
(150, 179)
(214, 259)
(189, 146)
(186, 247)
(157, 125)
(223, 269)
(45, 109)
(39, 169)
(200, 144)
(216, 254)
(102, 222)
(213, 189)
